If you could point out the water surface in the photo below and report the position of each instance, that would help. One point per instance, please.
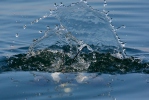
(17, 34)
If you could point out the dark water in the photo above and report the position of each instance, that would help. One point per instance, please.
(21, 25)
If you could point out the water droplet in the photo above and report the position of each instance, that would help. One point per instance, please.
(40, 31)
(24, 27)
(17, 35)
(32, 22)
(51, 12)
(67, 90)
(124, 50)
(112, 26)
(55, 5)
(85, 1)
(118, 38)
(61, 4)
(123, 26)
(48, 27)
(56, 27)
(110, 20)
(34, 40)
(107, 13)
(123, 44)
(105, 3)
(45, 16)
(36, 20)
(72, 4)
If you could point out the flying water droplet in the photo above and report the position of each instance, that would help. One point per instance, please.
(106, 12)
(123, 26)
(118, 38)
(61, 4)
(105, 3)
(110, 20)
(56, 27)
(48, 27)
(40, 18)
(36, 20)
(72, 4)
(40, 31)
(112, 26)
(124, 50)
(51, 12)
(85, 1)
(55, 5)
(32, 22)
(123, 44)
(24, 27)
(45, 16)
(34, 40)
(17, 35)
(62, 27)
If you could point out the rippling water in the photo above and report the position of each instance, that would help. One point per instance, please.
(28, 31)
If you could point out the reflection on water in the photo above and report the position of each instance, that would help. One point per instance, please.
(82, 86)
(58, 85)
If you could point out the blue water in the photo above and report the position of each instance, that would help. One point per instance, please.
(14, 39)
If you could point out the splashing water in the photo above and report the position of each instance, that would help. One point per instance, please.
(84, 40)
(79, 53)
(84, 26)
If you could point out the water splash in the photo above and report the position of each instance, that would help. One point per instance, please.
(84, 40)
(105, 3)
(40, 31)
(24, 27)
(17, 35)
(84, 26)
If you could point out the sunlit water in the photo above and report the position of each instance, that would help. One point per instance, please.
(66, 42)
